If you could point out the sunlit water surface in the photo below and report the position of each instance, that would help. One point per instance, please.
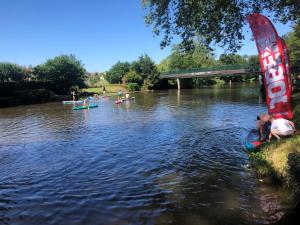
(165, 158)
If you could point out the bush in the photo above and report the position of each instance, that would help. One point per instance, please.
(11, 72)
(133, 77)
(132, 87)
(64, 71)
(116, 73)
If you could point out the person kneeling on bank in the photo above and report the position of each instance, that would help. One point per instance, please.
(281, 128)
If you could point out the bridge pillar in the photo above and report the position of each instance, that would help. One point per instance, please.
(178, 83)
(261, 83)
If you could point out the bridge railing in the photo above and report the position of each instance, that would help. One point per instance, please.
(212, 68)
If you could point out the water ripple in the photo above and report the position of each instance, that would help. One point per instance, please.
(164, 158)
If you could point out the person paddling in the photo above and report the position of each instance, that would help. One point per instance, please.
(119, 94)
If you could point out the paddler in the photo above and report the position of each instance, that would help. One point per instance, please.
(119, 94)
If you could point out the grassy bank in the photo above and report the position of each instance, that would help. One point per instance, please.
(274, 159)
(110, 89)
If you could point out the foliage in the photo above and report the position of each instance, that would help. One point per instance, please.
(293, 43)
(117, 71)
(253, 61)
(164, 65)
(132, 87)
(94, 79)
(199, 82)
(213, 21)
(64, 71)
(232, 59)
(147, 69)
(133, 77)
(196, 58)
(11, 72)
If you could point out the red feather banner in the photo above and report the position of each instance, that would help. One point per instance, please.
(271, 49)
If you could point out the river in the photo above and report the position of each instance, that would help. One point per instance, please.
(166, 157)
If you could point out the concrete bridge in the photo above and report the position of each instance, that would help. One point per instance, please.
(216, 71)
(219, 71)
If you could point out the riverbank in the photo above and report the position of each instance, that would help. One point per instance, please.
(110, 90)
(32, 96)
(280, 160)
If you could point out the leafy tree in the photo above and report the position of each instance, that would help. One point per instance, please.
(253, 61)
(164, 65)
(117, 71)
(293, 43)
(11, 72)
(232, 59)
(144, 66)
(147, 69)
(132, 87)
(198, 57)
(214, 21)
(64, 71)
(133, 77)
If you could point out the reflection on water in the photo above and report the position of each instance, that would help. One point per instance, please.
(166, 158)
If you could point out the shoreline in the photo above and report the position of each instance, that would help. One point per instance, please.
(280, 161)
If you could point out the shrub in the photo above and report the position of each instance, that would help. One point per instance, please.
(132, 87)
(133, 77)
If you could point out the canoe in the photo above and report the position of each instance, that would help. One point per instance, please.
(72, 102)
(251, 143)
(85, 107)
(118, 101)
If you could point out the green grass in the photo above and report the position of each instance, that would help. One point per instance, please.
(272, 159)
(111, 89)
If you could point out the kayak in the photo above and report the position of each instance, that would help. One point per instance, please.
(85, 107)
(118, 101)
(251, 143)
(72, 102)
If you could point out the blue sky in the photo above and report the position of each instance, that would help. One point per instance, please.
(98, 32)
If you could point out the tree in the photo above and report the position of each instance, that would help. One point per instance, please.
(64, 71)
(232, 59)
(293, 43)
(198, 57)
(133, 77)
(213, 21)
(11, 72)
(147, 69)
(253, 61)
(117, 71)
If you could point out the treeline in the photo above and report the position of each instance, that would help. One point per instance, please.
(140, 74)
(145, 74)
(202, 57)
(12, 72)
(292, 40)
(63, 72)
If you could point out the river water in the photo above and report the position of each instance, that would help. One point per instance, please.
(167, 157)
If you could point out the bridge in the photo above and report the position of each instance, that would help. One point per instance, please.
(219, 71)
(216, 71)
